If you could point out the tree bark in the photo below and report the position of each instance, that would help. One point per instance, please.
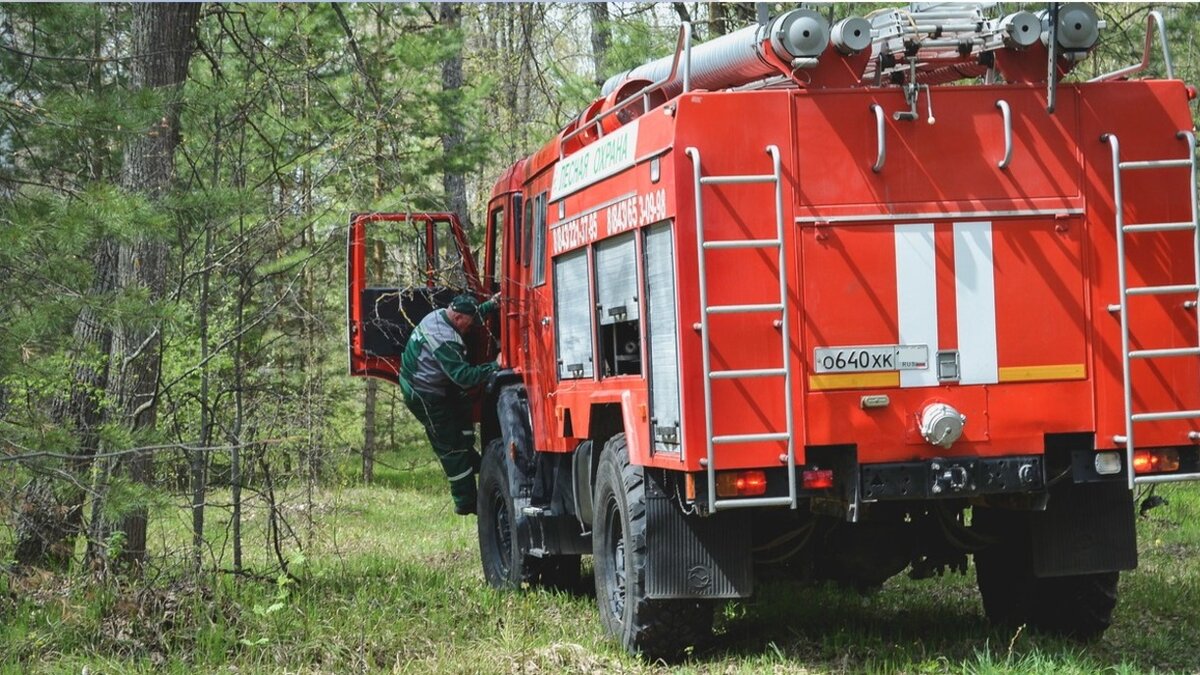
(162, 41)
(454, 183)
(730, 16)
(682, 12)
(199, 458)
(371, 399)
(49, 519)
(601, 39)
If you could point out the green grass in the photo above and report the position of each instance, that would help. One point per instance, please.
(391, 582)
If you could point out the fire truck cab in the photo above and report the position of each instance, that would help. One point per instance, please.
(785, 304)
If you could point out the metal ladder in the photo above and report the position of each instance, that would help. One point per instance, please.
(1128, 355)
(706, 310)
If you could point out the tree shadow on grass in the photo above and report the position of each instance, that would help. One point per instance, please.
(905, 627)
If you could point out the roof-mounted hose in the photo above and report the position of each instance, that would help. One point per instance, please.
(797, 38)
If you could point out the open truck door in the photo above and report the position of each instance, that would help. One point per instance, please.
(400, 267)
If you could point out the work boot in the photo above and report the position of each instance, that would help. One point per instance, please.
(465, 495)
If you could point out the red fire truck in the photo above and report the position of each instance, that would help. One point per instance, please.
(784, 303)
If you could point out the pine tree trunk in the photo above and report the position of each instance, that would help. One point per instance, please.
(601, 38)
(370, 444)
(199, 455)
(162, 41)
(239, 386)
(453, 181)
(371, 398)
(49, 519)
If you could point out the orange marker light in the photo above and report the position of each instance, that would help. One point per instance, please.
(1143, 462)
(1168, 460)
(741, 483)
(1155, 461)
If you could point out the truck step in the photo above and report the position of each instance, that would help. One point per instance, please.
(1166, 478)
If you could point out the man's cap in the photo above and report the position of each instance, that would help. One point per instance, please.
(465, 304)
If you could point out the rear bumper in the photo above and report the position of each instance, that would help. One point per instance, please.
(954, 477)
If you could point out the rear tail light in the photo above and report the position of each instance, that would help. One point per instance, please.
(749, 483)
(1156, 461)
(817, 479)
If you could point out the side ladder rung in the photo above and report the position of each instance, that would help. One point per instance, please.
(1170, 415)
(1162, 290)
(752, 372)
(748, 438)
(1166, 478)
(742, 243)
(1159, 353)
(1160, 227)
(743, 309)
(719, 180)
(747, 502)
(1155, 164)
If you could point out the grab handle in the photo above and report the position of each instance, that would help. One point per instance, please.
(880, 141)
(1007, 113)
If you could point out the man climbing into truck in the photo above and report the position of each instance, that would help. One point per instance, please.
(434, 377)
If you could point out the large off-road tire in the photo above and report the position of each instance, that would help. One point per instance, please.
(1003, 570)
(655, 629)
(1076, 606)
(505, 565)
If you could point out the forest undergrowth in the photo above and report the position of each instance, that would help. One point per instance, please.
(388, 580)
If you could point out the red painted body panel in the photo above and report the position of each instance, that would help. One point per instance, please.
(1052, 250)
(1139, 114)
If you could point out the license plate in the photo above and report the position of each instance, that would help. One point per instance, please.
(870, 359)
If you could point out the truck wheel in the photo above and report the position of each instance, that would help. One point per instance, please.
(1003, 570)
(505, 565)
(1077, 606)
(497, 541)
(656, 629)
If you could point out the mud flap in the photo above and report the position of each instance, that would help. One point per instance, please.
(541, 530)
(512, 411)
(1086, 528)
(694, 557)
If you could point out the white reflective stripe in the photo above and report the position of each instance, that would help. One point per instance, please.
(916, 297)
(975, 299)
(462, 475)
